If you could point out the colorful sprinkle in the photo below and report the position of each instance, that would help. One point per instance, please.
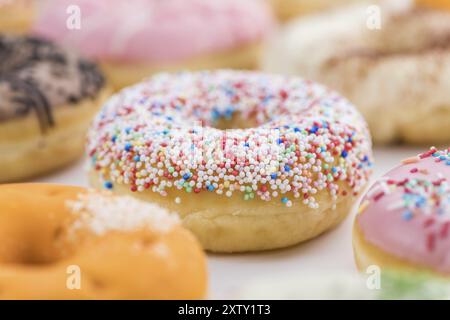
(410, 160)
(407, 215)
(108, 185)
(170, 143)
(424, 196)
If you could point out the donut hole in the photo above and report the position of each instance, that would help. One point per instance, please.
(37, 249)
(236, 121)
(32, 258)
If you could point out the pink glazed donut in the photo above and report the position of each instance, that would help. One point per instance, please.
(136, 38)
(404, 220)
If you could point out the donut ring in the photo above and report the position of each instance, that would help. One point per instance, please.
(408, 60)
(121, 247)
(404, 220)
(289, 170)
(47, 98)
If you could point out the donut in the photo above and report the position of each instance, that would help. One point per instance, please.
(288, 9)
(138, 38)
(249, 161)
(16, 16)
(401, 71)
(404, 219)
(62, 242)
(48, 95)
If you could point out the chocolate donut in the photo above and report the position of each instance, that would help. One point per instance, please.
(47, 95)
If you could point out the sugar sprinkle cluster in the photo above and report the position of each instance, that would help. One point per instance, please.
(102, 212)
(161, 134)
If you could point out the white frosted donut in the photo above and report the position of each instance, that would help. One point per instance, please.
(401, 71)
(288, 167)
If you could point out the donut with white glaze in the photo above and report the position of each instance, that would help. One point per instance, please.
(397, 73)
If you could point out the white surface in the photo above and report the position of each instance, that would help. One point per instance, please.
(330, 252)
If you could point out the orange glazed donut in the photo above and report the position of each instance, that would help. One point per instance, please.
(118, 247)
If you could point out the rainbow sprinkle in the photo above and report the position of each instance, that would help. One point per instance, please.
(426, 195)
(421, 193)
(161, 135)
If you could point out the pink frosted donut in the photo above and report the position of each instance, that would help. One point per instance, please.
(404, 219)
(153, 33)
(155, 30)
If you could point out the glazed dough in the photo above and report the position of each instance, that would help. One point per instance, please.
(63, 242)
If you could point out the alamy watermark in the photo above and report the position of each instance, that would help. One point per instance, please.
(73, 281)
(73, 21)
